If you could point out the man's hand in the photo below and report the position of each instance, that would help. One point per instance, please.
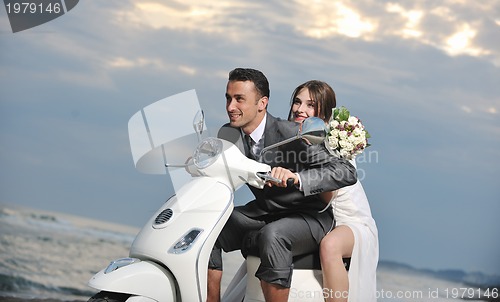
(284, 175)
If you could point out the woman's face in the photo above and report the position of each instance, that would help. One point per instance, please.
(303, 106)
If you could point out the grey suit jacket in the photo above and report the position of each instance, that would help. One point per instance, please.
(318, 170)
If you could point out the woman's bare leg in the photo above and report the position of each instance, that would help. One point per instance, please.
(336, 245)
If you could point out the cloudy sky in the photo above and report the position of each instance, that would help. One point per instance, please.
(424, 76)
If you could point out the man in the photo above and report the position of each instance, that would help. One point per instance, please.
(287, 221)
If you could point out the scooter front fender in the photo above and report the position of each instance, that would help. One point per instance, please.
(143, 278)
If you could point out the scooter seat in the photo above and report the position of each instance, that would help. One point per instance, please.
(305, 261)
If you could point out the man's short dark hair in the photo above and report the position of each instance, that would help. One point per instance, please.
(253, 75)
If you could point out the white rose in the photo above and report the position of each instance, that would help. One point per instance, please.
(357, 131)
(335, 132)
(346, 145)
(345, 154)
(352, 120)
(343, 134)
(359, 140)
(334, 124)
(352, 139)
(333, 141)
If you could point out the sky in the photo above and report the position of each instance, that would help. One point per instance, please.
(423, 76)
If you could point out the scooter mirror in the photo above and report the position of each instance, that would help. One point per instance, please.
(313, 129)
(198, 121)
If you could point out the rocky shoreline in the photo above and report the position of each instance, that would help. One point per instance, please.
(15, 299)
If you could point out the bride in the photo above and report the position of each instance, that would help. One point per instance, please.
(355, 234)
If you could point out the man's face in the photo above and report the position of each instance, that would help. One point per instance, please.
(244, 106)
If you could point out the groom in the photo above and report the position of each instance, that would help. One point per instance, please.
(287, 221)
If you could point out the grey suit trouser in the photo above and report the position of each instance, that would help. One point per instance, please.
(278, 241)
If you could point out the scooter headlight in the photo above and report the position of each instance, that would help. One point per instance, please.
(185, 242)
(207, 152)
(116, 264)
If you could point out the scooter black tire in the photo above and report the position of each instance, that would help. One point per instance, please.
(109, 297)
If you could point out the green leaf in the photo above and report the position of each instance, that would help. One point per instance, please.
(335, 113)
(343, 114)
(367, 135)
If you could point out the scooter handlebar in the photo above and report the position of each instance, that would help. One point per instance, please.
(267, 177)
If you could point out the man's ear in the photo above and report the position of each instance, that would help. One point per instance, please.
(263, 103)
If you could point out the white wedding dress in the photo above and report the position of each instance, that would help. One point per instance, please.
(351, 208)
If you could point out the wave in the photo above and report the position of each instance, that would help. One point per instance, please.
(20, 287)
(474, 279)
(29, 218)
(51, 255)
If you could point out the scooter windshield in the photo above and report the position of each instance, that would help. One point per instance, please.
(166, 133)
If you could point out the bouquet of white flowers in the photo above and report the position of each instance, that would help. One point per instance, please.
(346, 135)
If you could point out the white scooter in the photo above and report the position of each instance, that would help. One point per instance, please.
(168, 259)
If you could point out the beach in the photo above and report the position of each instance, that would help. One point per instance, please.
(13, 299)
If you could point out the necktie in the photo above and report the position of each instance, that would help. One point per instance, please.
(250, 144)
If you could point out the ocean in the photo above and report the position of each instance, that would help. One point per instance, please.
(47, 255)
(52, 255)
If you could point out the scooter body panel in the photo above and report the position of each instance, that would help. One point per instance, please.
(203, 205)
(143, 278)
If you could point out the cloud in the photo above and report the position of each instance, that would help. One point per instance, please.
(188, 70)
(325, 19)
(189, 15)
(121, 62)
(466, 109)
(412, 18)
(444, 27)
(454, 27)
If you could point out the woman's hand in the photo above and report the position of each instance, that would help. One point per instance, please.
(328, 196)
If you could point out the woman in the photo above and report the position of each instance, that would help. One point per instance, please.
(355, 234)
